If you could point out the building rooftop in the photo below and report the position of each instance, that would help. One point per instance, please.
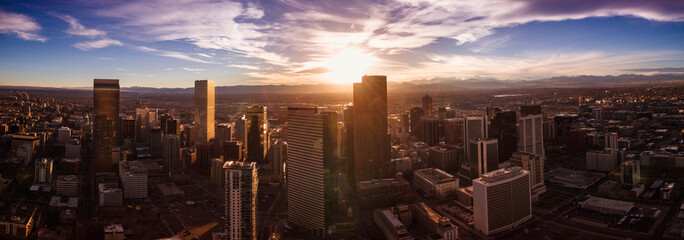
(392, 219)
(239, 165)
(501, 174)
(114, 228)
(572, 178)
(133, 167)
(435, 176)
(58, 201)
(609, 204)
(67, 178)
(168, 189)
(18, 213)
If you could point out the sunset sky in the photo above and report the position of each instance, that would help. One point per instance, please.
(161, 43)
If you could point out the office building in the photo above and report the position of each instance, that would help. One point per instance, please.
(597, 113)
(501, 200)
(416, 115)
(18, 220)
(390, 226)
(43, 171)
(435, 223)
(171, 152)
(241, 200)
(474, 128)
(133, 177)
(114, 232)
(453, 131)
(233, 151)
(256, 127)
(534, 164)
(156, 138)
(224, 132)
(188, 135)
(172, 126)
(311, 170)
(240, 131)
(278, 158)
(483, 156)
(431, 131)
(503, 128)
(127, 129)
(217, 174)
(106, 122)
(348, 142)
(611, 140)
(63, 135)
(446, 158)
(142, 125)
(110, 195)
(435, 182)
(204, 110)
(72, 149)
(205, 152)
(427, 105)
(530, 136)
(371, 142)
(377, 193)
(602, 161)
(67, 185)
(630, 173)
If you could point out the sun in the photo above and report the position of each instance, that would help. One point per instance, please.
(348, 66)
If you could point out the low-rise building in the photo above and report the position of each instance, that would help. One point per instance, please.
(435, 223)
(390, 226)
(133, 177)
(17, 221)
(435, 182)
(608, 206)
(67, 185)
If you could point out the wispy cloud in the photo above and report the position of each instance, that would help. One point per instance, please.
(659, 70)
(20, 25)
(75, 28)
(194, 69)
(171, 54)
(250, 67)
(102, 43)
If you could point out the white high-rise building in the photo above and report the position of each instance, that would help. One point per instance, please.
(171, 152)
(133, 179)
(501, 200)
(204, 110)
(311, 172)
(530, 135)
(241, 200)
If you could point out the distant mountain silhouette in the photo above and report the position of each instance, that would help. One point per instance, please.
(432, 85)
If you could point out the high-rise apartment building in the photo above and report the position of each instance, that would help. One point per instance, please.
(106, 122)
(371, 142)
(241, 200)
(501, 200)
(530, 136)
(204, 110)
(256, 127)
(534, 164)
(311, 170)
(483, 156)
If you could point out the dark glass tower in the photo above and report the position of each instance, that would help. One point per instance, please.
(371, 142)
(106, 122)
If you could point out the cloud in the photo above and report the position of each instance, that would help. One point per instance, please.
(194, 69)
(102, 43)
(171, 54)
(105, 58)
(22, 26)
(75, 28)
(660, 70)
(250, 67)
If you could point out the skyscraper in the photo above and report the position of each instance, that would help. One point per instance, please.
(453, 131)
(311, 170)
(256, 126)
(534, 164)
(241, 200)
(530, 136)
(204, 110)
(278, 158)
(371, 142)
(431, 131)
(205, 152)
(171, 152)
(218, 177)
(106, 122)
(503, 128)
(142, 125)
(483, 156)
(501, 200)
(427, 105)
(223, 133)
(416, 115)
(348, 142)
(474, 127)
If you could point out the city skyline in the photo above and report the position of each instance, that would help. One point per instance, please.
(290, 42)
